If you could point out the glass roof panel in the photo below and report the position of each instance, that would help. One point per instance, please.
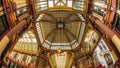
(64, 1)
(60, 4)
(64, 35)
(81, 31)
(46, 4)
(39, 17)
(42, 4)
(39, 32)
(56, 1)
(50, 3)
(27, 43)
(78, 5)
(81, 17)
(34, 40)
(69, 3)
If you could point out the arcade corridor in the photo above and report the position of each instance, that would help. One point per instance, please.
(59, 33)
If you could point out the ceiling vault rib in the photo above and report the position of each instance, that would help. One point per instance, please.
(68, 39)
(51, 16)
(73, 35)
(47, 37)
(53, 37)
(49, 34)
(70, 16)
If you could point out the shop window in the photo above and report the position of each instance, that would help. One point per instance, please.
(18, 66)
(108, 58)
(99, 11)
(101, 48)
(103, 44)
(15, 55)
(3, 24)
(24, 58)
(33, 59)
(0, 3)
(116, 24)
(102, 1)
(118, 4)
(12, 65)
(21, 11)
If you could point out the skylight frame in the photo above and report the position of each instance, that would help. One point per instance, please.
(27, 43)
(63, 46)
(77, 5)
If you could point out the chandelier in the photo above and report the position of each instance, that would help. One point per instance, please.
(60, 53)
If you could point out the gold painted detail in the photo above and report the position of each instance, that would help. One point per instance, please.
(3, 44)
(116, 41)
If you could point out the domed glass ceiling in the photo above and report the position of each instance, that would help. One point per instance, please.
(63, 34)
(60, 29)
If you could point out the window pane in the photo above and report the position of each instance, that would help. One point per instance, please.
(50, 3)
